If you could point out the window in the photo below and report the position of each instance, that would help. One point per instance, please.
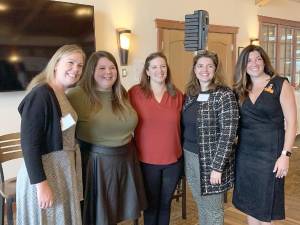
(281, 40)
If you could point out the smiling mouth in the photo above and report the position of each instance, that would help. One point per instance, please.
(204, 74)
(107, 78)
(254, 68)
(73, 76)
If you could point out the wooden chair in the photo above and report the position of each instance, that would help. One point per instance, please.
(10, 148)
(180, 192)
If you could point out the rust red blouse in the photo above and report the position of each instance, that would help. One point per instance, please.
(157, 134)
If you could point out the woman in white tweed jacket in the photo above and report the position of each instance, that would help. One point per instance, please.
(209, 124)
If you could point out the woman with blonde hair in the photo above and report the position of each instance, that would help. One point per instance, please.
(113, 185)
(266, 136)
(209, 124)
(49, 187)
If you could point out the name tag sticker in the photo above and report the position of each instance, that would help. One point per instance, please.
(66, 122)
(202, 97)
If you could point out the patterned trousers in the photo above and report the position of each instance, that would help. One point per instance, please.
(210, 207)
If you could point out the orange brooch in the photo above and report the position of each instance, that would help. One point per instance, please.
(269, 89)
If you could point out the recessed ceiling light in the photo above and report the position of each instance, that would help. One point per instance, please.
(14, 58)
(83, 11)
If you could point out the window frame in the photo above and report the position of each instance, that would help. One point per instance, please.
(279, 25)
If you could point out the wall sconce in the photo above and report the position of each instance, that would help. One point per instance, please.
(254, 41)
(123, 37)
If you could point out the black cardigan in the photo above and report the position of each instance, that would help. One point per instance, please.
(40, 129)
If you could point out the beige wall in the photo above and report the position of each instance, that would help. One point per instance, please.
(139, 16)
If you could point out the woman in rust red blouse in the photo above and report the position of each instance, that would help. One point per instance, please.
(158, 104)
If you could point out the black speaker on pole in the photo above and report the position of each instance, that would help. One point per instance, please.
(196, 30)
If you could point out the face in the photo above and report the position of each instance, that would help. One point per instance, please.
(157, 70)
(255, 65)
(68, 70)
(105, 74)
(205, 70)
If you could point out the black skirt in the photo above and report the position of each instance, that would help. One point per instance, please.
(113, 184)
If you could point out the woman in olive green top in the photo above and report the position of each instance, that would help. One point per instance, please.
(113, 186)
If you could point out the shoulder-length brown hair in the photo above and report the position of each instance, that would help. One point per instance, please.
(193, 87)
(145, 82)
(242, 82)
(89, 85)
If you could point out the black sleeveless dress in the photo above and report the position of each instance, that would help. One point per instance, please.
(257, 191)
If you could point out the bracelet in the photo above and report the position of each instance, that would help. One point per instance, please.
(286, 153)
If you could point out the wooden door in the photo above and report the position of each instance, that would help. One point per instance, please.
(221, 40)
(222, 44)
(180, 61)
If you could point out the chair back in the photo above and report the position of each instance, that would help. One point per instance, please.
(10, 148)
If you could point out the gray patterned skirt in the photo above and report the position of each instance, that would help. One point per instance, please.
(60, 170)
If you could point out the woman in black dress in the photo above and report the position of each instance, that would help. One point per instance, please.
(266, 136)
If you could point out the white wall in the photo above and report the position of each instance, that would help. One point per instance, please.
(139, 16)
(9, 116)
(10, 122)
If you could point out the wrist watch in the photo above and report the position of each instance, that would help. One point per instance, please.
(286, 153)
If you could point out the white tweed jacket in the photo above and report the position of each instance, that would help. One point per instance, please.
(217, 123)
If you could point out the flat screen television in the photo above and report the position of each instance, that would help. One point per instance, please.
(32, 30)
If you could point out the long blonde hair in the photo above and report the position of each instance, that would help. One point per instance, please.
(193, 87)
(48, 74)
(88, 84)
(243, 84)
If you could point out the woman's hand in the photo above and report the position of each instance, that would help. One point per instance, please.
(281, 166)
(44, 195)
(215, 177)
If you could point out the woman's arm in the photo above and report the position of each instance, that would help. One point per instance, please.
(34, 113)
(288, 105)
(44, 195)
(33, 118)
(228, 123)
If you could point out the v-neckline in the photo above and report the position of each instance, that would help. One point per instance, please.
(254, 103)
(161, 100)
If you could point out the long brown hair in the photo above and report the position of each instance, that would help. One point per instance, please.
(193, 87)
(243, 83)
(48, 75)
(89, 85)
(145, 82)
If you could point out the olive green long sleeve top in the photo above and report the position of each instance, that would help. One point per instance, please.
(103, 127)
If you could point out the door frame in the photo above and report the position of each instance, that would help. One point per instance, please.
(162, 24)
